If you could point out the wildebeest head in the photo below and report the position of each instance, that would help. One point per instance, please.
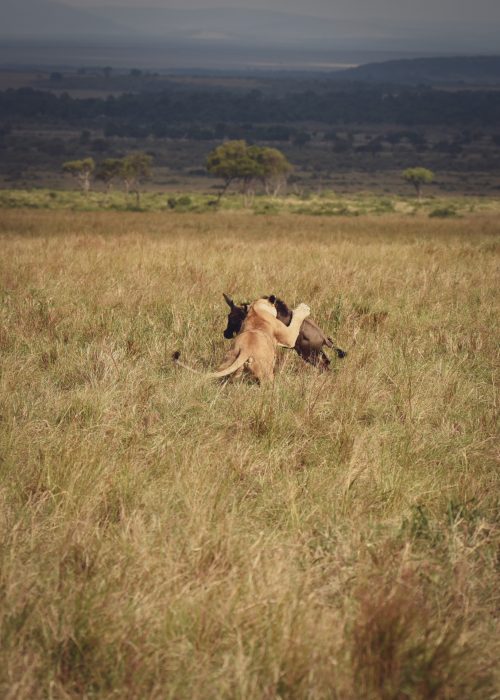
(238, 313)
(235, 317)
(283, 311)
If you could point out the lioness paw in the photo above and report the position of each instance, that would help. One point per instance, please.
(303, 310)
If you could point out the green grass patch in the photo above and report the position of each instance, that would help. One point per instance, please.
(325, 203)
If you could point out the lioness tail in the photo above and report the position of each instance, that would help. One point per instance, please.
(239, 362)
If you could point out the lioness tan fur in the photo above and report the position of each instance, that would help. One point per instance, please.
(255, 346)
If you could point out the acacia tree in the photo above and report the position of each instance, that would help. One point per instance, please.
(135, 168)
(108, 170)
(231, 161)
(82, 170)
(252, 171)
(418, 177)
(274, 169)
(237, 161)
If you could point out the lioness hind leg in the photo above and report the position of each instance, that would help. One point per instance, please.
(238, 373)
(262, 371)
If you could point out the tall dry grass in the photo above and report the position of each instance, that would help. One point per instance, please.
(334, 536)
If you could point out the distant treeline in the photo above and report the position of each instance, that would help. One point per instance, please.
(163, 114)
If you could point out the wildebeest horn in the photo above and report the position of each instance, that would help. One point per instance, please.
(229, 301)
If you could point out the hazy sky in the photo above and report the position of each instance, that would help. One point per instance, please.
(456, 11)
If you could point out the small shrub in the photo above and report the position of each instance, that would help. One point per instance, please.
(266, 208)
(443, 213)
(383, 206)
(182, 203)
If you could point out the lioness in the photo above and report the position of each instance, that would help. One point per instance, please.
(255, 346)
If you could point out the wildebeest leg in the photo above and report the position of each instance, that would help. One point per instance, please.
(303, 354)
(323, 360)
(330, 344)
(318, 359)
(307, 354)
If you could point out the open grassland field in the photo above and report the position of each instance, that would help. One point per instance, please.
(334, 536)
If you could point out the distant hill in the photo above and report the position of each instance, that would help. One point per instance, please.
(474, 70)
(21, 19)
(217, 28)
(215, 25)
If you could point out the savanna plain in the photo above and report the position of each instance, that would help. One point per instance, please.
(333, 536)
